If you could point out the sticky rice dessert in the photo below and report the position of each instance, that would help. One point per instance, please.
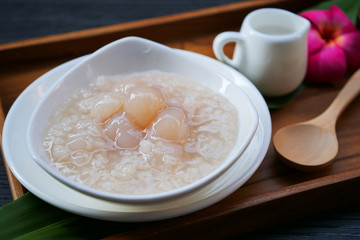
(147, 133)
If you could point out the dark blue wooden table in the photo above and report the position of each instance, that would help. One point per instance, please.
(20, 19)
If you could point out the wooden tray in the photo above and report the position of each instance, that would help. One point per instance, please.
(275, 193)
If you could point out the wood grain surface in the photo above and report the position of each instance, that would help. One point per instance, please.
(17, 189)
(275, 194)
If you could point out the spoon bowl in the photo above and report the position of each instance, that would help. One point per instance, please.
(313, 145)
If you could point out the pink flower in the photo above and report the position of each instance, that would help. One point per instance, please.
(333, 45)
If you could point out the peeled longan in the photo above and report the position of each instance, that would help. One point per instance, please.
(143, 104)
(171, 125)
(122, 132)
(105, 106)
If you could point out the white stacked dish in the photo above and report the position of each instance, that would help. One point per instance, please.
(56, 190)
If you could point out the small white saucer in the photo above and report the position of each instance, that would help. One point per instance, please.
(44, 186)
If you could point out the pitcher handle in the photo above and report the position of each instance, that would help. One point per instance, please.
(218, 47)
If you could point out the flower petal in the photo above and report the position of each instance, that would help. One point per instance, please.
(328, 64)
(330, 23)
(318, 18)
(340, 22)
(350, 43)
(314, 40)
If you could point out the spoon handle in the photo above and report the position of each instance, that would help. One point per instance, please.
(343, 99)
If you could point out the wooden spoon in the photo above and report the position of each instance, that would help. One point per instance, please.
(312, 145)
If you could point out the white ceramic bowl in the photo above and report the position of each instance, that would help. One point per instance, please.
(127, 56)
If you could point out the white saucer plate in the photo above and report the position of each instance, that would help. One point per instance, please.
(44, 186)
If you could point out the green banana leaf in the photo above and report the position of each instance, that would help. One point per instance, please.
(31, 218)
(279, 102)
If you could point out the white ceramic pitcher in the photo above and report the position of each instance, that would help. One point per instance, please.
(271, 50)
